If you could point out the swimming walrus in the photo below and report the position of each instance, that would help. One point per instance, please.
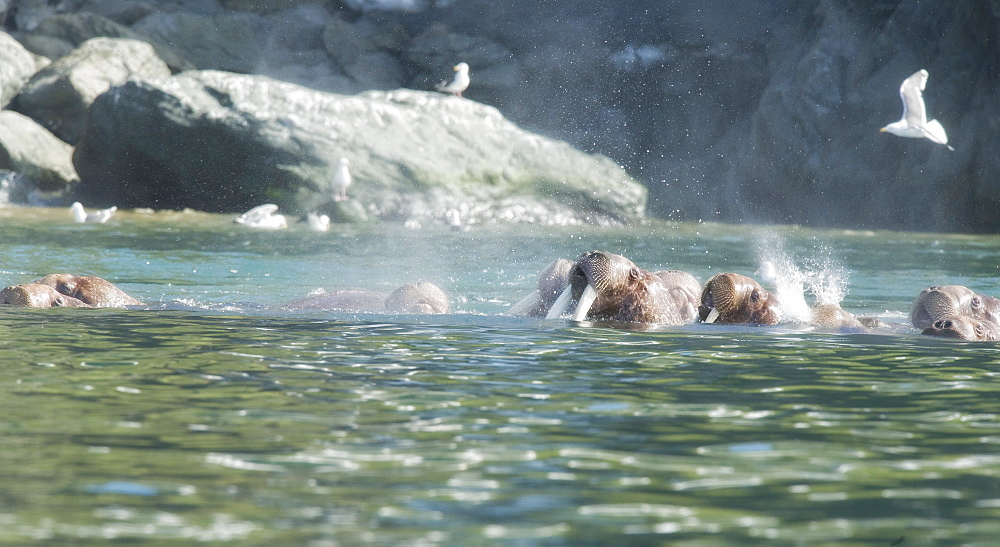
(422, 298)
(36, 295)
(610, 287)
(938, 301)
(91, 290)
(735, 298)
(965, 328)
(552, 281)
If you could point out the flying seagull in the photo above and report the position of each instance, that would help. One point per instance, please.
(459, 83)
(914, 122)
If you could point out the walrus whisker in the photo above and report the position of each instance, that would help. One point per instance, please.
(561, 303)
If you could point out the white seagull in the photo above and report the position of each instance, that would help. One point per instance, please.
(914, 122)
(459, 83)
(341, 180)
(319, 223)
(95, 217)
(263, 216)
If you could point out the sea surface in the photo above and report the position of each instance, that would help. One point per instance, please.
(215, 413)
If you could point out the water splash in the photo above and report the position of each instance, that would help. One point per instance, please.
(819, 275)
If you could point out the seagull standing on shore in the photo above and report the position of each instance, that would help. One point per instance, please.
(459, 83)
(914, 122)
(264, 217)
(95, 217)
(341, 180)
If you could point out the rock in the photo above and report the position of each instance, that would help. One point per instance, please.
(27, 148)
(77, 28)
(224, 41)
(362, 51)
(59, 95)
(224, 142)
(16, 66)
(286, 45)
(263, 6)
(46, 46)
(125, 12)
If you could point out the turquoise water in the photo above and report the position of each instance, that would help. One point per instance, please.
(216, 414)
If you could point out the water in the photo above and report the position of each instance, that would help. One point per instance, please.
(218, 415)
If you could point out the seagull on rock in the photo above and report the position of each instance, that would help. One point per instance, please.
(341, 180)
(94, 217)
(263, 217)
(914, 122)
(459, 83)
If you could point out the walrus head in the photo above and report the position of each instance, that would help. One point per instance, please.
(610, 287)
(964, 328)
(939, 301)
(422, 297)
(552, 280)
(91, 290)
(735, 298)
(598, 281)
(36, 295)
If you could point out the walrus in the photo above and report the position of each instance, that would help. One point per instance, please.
(735, 298)
(610, 287)
(938, 301)
(422, 298)
(36, 295)
(965, 328)
(552, 281)
(832, 316)
(91, 290)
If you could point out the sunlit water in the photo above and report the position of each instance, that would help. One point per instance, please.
(215, 414)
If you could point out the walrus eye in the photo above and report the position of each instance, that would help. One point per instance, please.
(980, 330)
(58, 302)
(976, 303)
(754, 295)
(633, 273)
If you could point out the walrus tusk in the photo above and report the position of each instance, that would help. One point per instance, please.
(525, 304)
(585, 302)
(561, 303)
(712, 316)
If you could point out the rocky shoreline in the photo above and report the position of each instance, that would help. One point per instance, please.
(733, 111)
(119, 121)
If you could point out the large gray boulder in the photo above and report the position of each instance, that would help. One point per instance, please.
(53, 34)
(285, 45)
(27, 148)
(16, 66)
(366, 51)
(224, 142)
(59, 95)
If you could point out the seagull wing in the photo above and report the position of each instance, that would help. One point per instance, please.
(911, 91)
(258, 213)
